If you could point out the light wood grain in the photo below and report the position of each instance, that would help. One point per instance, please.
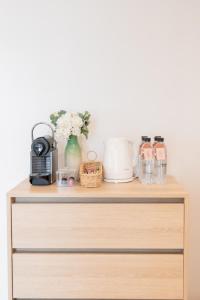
(186, 246)
(119, 190)
(9, 244)
(98, 226)
(98, 276)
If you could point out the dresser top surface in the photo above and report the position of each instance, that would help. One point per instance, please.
(171, 189)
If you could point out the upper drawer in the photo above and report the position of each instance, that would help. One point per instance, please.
(98, 225)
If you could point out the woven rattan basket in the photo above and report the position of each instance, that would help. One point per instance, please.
(93, 179)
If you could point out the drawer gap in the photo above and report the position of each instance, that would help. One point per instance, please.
(33, 200)
(101, 251)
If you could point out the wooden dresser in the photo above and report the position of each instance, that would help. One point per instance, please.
(119, 241)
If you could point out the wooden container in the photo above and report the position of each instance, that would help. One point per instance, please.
(91, 174)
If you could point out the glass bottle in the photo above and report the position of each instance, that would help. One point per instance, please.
(139, 157)
(156, 139)
(146, 175)
(160, 164)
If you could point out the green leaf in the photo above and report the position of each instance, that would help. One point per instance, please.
(55, 116)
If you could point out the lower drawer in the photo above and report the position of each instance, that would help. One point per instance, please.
(97, 276)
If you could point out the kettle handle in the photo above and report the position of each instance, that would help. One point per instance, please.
(42, 123)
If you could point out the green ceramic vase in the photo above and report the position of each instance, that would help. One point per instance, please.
(73, 155)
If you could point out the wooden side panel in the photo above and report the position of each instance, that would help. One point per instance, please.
(98, 276)
(107, 225)
(10, 200)
(186, 245)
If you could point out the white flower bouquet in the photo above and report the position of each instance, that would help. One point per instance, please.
(70, 123)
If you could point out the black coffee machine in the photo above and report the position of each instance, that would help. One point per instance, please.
(44, 158)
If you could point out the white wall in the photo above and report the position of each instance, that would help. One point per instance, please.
(133, 64)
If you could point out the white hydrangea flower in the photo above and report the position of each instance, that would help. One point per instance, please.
(67, 124)
(76, 121)
(76, 131)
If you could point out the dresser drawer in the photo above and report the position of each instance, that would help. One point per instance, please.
(98, 226)
(98, 276)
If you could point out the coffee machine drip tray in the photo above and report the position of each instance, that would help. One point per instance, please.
(40, 178)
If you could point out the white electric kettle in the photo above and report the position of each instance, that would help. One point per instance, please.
(118, 160)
